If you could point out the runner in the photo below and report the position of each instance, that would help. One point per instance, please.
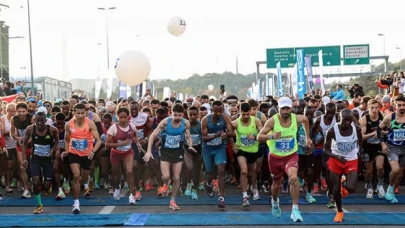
(281, 133)
(342, 144)
(119, 139)
(44, 139)
(215, 129)
(19, 124)
(79, 134)
(246, 147)
(60, 164)
(372, 147)
(393, 145)
(173, 130)
(11, 146)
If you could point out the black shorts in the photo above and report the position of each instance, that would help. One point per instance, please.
(138, 155)
(325, 158)
(45, 163)
(83, 161)
(12, 154)
(305, 162)
(171, 155)
(250, 157)
(370, 152)
(198, 148)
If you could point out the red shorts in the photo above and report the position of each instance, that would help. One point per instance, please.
(339, 168)
(229, 151)
(280, 164)
(118, 157)
(27, 150)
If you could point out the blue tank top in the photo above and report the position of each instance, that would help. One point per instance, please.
(195, 132)
(172, 138)
(396, 134)
(61, 139)
(90, 115)
(213, 128)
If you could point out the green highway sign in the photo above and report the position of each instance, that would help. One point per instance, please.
(356, 54)
(286, 56)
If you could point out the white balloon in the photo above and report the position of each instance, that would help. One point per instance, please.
(176, 26)
(132, 68)
(211, 87)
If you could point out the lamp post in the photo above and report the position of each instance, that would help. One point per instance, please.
(383, 36)
(107, 43)
(30, 42)
(400, 58)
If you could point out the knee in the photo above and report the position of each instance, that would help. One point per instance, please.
(293, 180)
(221, 169)
(165, 177)
(395, 170)
(244, 172)
(176, 178)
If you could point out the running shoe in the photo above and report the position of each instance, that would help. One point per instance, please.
(87, 192)
(61, 195)
(194, 195)
(215, 185)
(370, 193)
(26, 194)
(245, 202)
(38, 210)
(381, 191)
(310, 198)
(9, 189)
(221, 202)
(339, 216)
(173, 205)
(116, 195)
(131, 200)
(296, 215)
(187, 192)
(76, 209)
(210, 191)
(138, 196)
(66, 187)
(275, 208)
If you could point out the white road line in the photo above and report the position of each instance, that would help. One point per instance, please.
(344, 210)
(106, 210)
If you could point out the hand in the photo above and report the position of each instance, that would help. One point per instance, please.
(374, 134)
(91, 155)
(19, 140)
(251, 137)
(342, 159)
(224, 136)
(25, 163)
(192, 149)
(5, 151)
(308, 150)
(126, 142)
(143, 142)
(147, 156)
(277, 135)
(219, 133)
(140, 149)
(64, 154)
(384, 148)
(309, 142)
(384, 132)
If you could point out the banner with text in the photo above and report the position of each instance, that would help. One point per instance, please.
(320, 54)
(302, 89)
(308, 66)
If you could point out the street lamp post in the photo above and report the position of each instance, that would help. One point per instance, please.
(400, 58)
(29, 38)
(107, 42)
(385, 65)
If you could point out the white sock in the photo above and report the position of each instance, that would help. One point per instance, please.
(76, 202)
(86, 186)
(272, 200)
(255, 191)
(295, 206)
(90, 178)
(60, 189)
(244, 194)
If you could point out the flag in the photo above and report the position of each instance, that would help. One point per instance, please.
(320, 56)
(294, 85)
(97, 87)
(308, 66)
(279, 80)
(301, 74)
(10, 98)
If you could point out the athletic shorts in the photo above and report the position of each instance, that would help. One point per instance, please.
(213, 157)
(12, 154)
(305, 162)
(250, 157)
(41, 166)
(138, 155)
(229, 151)
(280, 164)
(339, 168)
(83, 161)
(370, 152)
(171, 155)
(262, 150)
(397, 154)
(118, 157)
(27, 150)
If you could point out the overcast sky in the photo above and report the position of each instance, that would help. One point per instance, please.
(66, 33)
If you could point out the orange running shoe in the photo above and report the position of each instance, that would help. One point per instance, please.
(138, 196)
(396, 190)
(339, 217)
(215, 185)
(165, 190)
(173, 205)
(159, 192)
(324, 186)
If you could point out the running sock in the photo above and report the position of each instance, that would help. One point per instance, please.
(273, 202)
(60, 189)
(380, 181)
(244, 194)
(255, 191)
(295, 206)
(96, 174)
(38, 199)
(76, 202)
(86, 186)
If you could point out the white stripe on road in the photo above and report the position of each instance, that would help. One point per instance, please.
(344, 210)
(106, 210)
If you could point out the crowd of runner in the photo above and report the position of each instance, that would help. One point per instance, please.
(274, 146)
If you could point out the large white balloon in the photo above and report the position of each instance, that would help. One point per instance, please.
(211, 87)
(132, 68)
(176, 26)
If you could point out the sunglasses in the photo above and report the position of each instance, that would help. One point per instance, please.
(47, 105)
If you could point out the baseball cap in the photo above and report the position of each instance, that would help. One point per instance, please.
(42, 109)
(58, 100)
(285, 102)
(208, 106)
(325, 100)
(386, 98)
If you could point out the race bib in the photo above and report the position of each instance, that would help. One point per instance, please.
(215, 142)
(345, 147)
(285, 145)
(196, 139)
(61, 144)
(318, 138)
(79, 144)
(302, 140)
(245, 141)
(42, 150)
(399, 135)
(140, 134)
(103, 138)
(21, 132)
(123, 148)
(172, 141)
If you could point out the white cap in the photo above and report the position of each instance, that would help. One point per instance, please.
(325, 100)
(42, 109)
(285, 102)
(208, 106)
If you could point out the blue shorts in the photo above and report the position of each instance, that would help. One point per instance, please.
(210, 156)
(317, 151)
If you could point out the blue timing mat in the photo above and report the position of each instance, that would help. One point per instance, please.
(204, 200)
(197, 219)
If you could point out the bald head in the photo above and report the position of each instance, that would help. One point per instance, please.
(196, 104)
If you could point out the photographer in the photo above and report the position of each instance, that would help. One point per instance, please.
(356, 88)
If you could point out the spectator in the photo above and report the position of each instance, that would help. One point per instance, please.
(356, 100)
(339, 94)
(356, 88)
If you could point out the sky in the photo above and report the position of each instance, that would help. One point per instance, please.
(69, 36)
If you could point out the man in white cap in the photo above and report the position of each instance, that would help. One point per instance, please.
(280, 132)
(48, 120)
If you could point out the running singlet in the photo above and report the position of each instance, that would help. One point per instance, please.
(139, 123)
(42, 145)
(372, 127)
(172, 138)
(81, 139)
(242, 132)
(302, 140)
(213, 128)
(21, 126)
(345, 145)
(10, 143)
(123, 135)
(287, 144)
(61, 143)
(195, 132)
(396, 133)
